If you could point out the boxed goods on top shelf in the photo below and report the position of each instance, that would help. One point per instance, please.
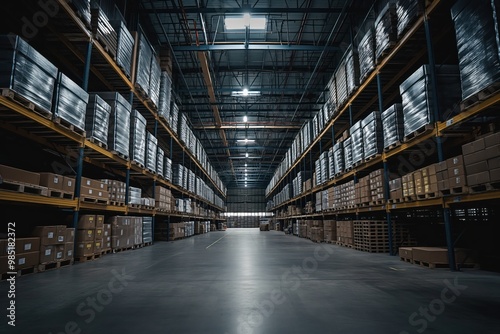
(407, 12)
(125, 47)
(151, 147)
(119, 123)
(366, 50)
(70, 102)
(372, 135)
(385, 30)
(393, 125)
(137, 138)
(103, 31)
(356, 142)
(165, 95)
(144, 52)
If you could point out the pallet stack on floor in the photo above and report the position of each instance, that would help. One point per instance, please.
(437, 257)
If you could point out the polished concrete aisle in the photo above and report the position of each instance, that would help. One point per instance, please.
(243, 281)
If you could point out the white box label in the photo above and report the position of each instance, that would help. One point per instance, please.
(21, 261)
(48, 251)
(50, 235)
(27, 246)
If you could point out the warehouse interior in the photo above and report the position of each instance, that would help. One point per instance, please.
(259, 166)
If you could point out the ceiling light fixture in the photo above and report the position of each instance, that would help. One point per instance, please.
(245, 118)
(246, 154)
(240, 22)
(246, 140)
(245, 92)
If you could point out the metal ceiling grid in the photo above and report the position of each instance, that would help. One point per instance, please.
(289, 64)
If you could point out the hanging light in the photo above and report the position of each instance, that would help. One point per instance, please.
(245, 118)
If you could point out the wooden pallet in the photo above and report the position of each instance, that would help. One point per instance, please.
(98, 142)
(115, 203)
(86, 258)
(405, 259)
(22, 187)
(19, 99)
(95, 200)
(54, 265)
(377, 202)
(147, 207)
(484, 187)
(138, 164)
(56, 193)
(134, 205)
(378, 155)
(392, 146)
(419, 132)
(395, 200)
(121, 155)
(20, 272)
(481, 95)
(344, 244)
(67, 125)
(148, 244)
(428, 196)
(122, 249)
(409, 198)
(384, 53)
(141, 91)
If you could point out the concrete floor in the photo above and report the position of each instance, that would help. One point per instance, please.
(243, 281)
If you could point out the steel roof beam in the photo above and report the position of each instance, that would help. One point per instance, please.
(254, 46)
(242, 10)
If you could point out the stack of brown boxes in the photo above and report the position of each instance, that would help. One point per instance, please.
(176, 231)
(94, 189)
(307, 185)
(331, 198)
(17, 175)
(69, 245)
(363, 191)
(345, 195)
(163, 199)
(443, 178)
(116, 190)
(302, 228)
(430, 183)
(377, 186)
(456, 173)
(317, 231)
(408, 187)
(27, 254)
(396, 190)
(345, 233)
(330, 230)
(438, 256)
(99, 235)
(122, 232)
(52, 243)
(59, 186)
(309, 208)
(482, 162)
(319, 202)
(85, 236)
(106, 237)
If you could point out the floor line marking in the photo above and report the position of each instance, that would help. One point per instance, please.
(393, 268)
(216, 241)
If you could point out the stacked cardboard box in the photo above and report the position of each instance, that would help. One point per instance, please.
(122, 231)
(396, 190)
(176, 231)
(106, 237)
(56, 183)
(408, 187)
(345, 233)
(69, 243)
(435, 256)
(309, 208)
(377, 186)
(331, 198)
(52, 243)
(425, 182)
(94, 189)
(330, 230)
(317, 231)
(482, 162)
(302, 228)
(344, 195)
(363, 194)
(116, 190)
(27, 254)
(85, 236)
(307, 185)
(319, 201)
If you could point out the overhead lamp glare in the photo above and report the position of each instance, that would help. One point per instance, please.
(244, 21)
(245, 118)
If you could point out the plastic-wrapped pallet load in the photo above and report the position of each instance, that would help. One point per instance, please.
(165, 95)
(318, 173)
(385, 30)
(348, 153)
(82, 9)
(366, 50)
(119, 122)
(97, 119)
(138, 138)
(147, 229)
(407, 12)
(357, 142)
(167, 168)
(341, 82)
(477, 32)
(178, 174)
(416, 92)
(151, 148)
(331, 163)
(154, 81)
(185, 178)
(174, 117)
(70, 102)
(338, 157)
(352, 69)
(373, 137)
(393, 125)
(324, 166)
(25, 71)
(143, 63)
(160, 159)
(125, 46)
(103, 31)
(134, 195)
(331, 96)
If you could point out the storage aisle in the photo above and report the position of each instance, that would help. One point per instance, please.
(247, 281)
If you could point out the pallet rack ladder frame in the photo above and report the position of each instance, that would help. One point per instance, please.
(434, 118)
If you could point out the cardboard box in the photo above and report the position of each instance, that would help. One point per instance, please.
(477, 167)
(492, 140)
(456, 171)
(494, 163)
(47, 253)
(98, 246)
(457, 181)
(441, 166)
(99, 233)
(25, 260)
(68, 184)
(59, 254)
(27, 245)
(492, 152)
(455, 161)
(85, 235)
(495, 175)
(406, 252)
(479, 178)
(47, 234)
(474, 157)
(84, 249)
(69, 249)
(438, 255)
(94, 193)
(433, 188)
(51, 180)
(94, 184)
(86, 222)
(442, 175)
(70, 235)
(444, 185)
(99, 221)
(61, 234)
(474, 146)
(16, 174)
(431, 169)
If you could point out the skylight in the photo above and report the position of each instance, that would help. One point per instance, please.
(246, 20)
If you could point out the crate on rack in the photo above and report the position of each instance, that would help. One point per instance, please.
(137, 149)
(97, 119)
(119, 123)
